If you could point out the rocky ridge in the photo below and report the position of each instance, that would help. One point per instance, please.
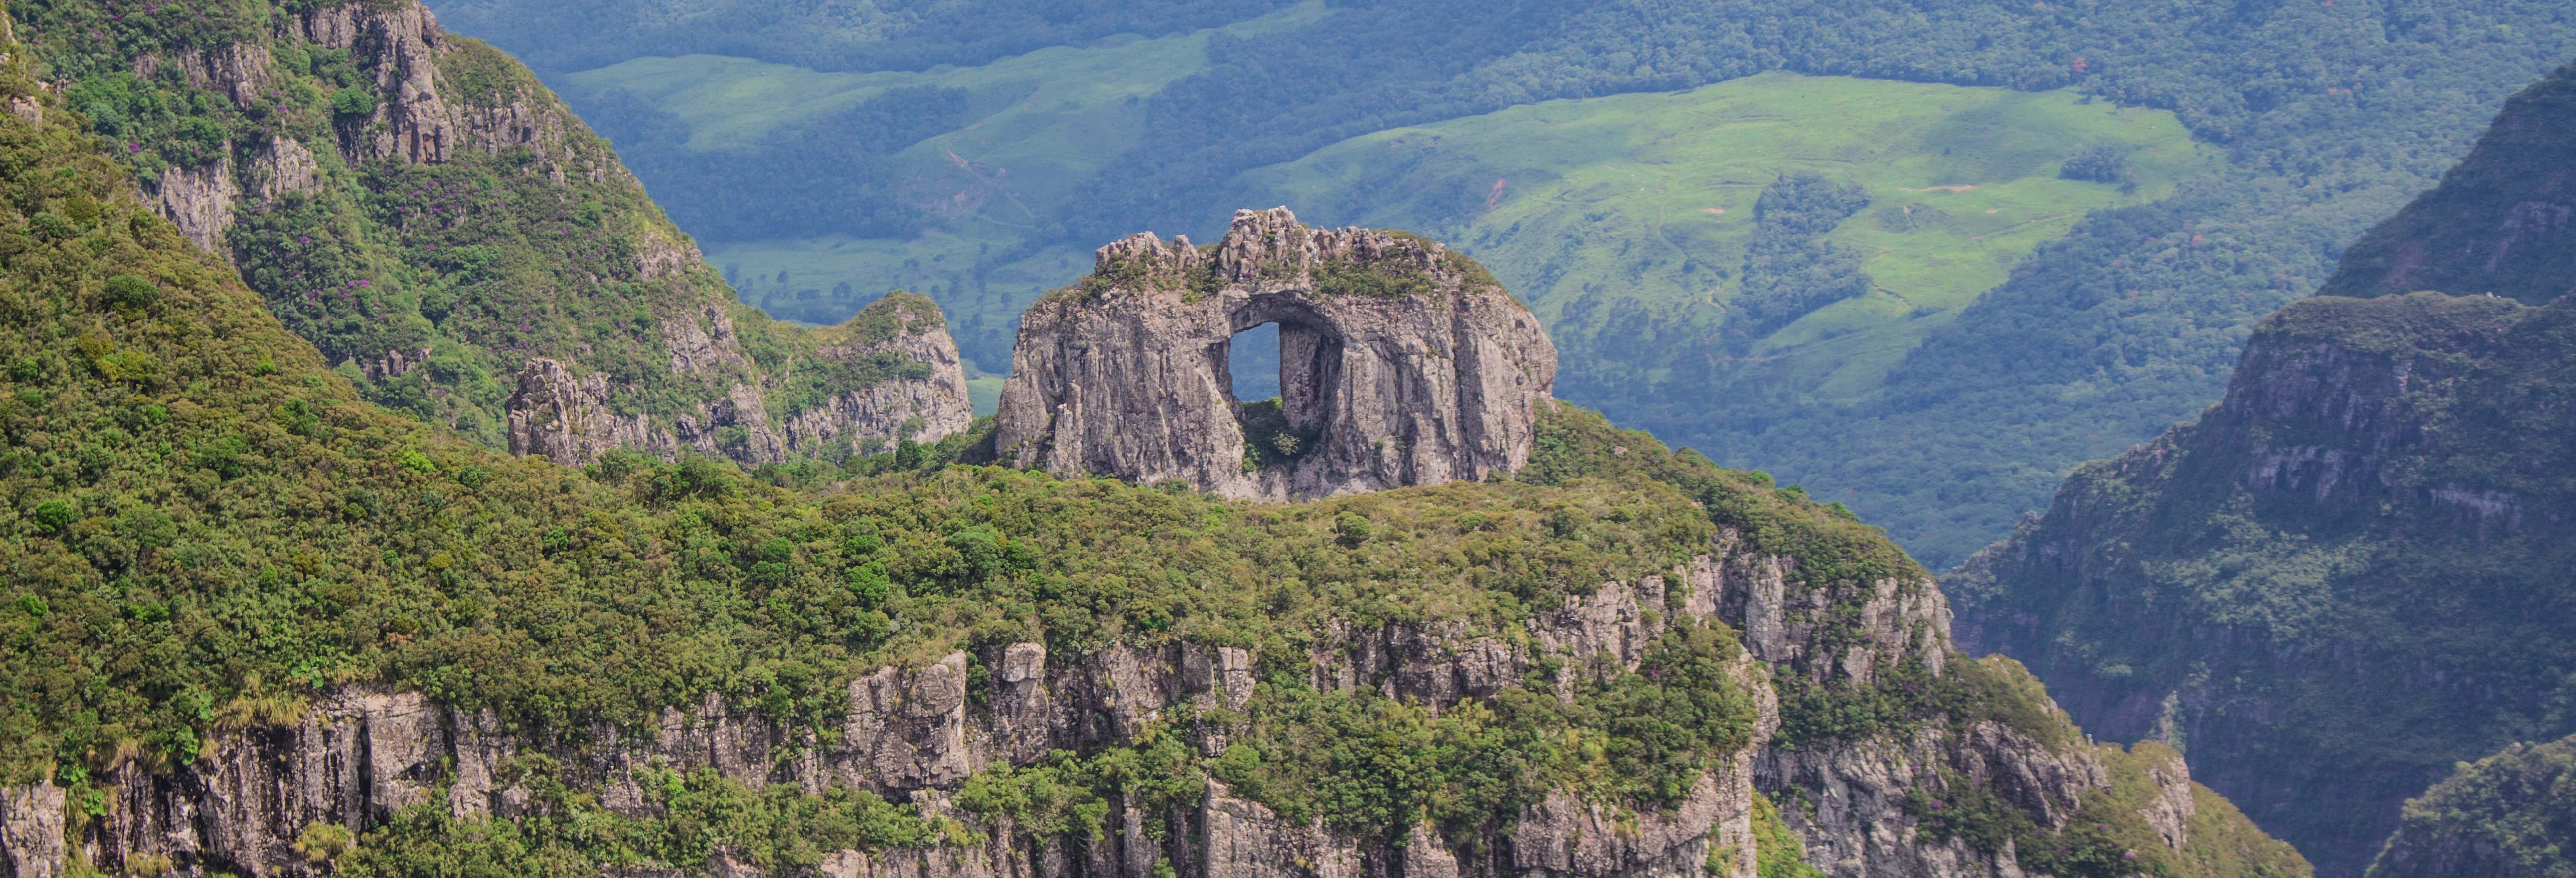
(568, 418)
(2505, 816)
(278, 778)
(435, 100)
(1401, 364)
(2251, 587)
(356, 758)
(2503, 221)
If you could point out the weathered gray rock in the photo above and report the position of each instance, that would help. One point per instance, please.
(239, 71)
(1242, 838)
(199, 201)
(1565, 836)
(285, 167)
(872, 418)
(915, 733)
(31, 831)
(2171, 810)
(566, 416)
(353, 760)
(401, 42)
(1400, 364)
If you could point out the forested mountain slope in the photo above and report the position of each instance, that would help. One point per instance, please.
(2330, 116)
(2511, 815)
(459, 245)
(2350, 574)
(826, 34)
(2340, 581)
(2503, 221)
(257, 624)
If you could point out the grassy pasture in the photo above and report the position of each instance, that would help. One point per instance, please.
(1651, 196)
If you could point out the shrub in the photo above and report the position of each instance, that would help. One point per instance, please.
(353, 103)
(132, 291)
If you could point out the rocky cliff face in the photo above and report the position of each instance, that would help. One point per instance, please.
(916, 390)
(1401, 364)
(359, 137)
(916, 733)
(2342, 580)
(919, 392)
(2503, 221)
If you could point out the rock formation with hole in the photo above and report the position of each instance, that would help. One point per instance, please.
(1401, 363)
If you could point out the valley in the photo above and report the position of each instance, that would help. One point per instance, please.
(1565, 235)
(402, 478)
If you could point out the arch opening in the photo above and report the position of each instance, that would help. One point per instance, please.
(1279, 375)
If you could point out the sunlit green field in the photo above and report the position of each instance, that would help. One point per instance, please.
(1651, 196)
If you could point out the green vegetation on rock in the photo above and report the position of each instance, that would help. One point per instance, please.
(2500, 221)
(2343, 579)
(1777, 851)
(207, 529)
(428, 266)
(2510, 815)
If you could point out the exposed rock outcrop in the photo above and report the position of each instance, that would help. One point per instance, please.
(421, 96)
(239, 71)
(285, 167)
(911, 339)
(401, 43)
(2252, 587)
(566, 419)
(1400, 364)
(902, 377)
(31, 831)
(916, 733)
(200, 200)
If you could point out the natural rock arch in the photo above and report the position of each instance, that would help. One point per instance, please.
(1401, 364)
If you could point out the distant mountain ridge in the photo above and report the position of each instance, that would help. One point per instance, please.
(2503, 221)
(2351, 573)
(2329, 118)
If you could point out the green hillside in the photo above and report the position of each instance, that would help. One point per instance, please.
(1964, 182)
(207, 531)
(425, 212)
(827, 34)
(978, 192)
(2510, 815)
(1652, 198)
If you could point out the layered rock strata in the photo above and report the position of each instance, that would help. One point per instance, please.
(917, 733)
(1400, 364)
